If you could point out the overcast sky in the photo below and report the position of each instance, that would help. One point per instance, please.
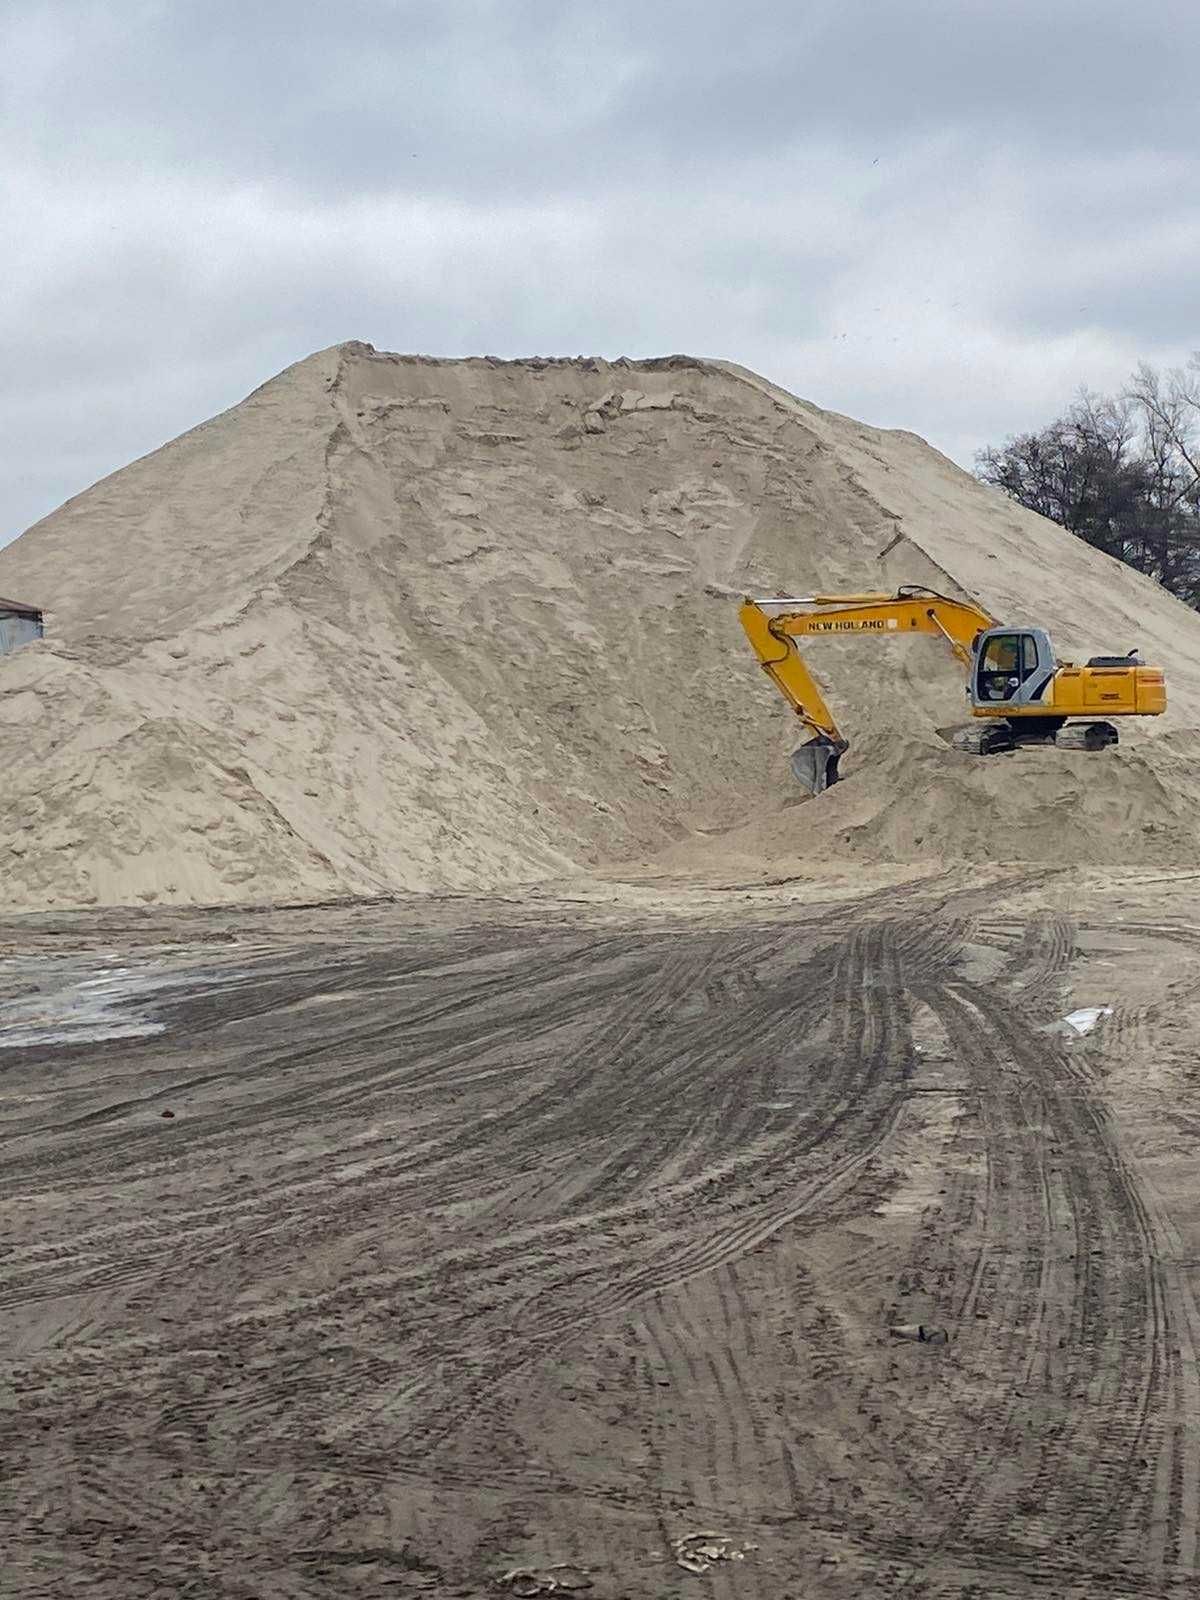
(943, 215)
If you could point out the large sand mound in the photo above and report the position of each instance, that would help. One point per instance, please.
(394, 623)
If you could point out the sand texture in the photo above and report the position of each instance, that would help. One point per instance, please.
(397, 624)
(390, 1249)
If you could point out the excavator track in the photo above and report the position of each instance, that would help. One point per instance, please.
(994, 738)
(985, 739)
(1085, 736)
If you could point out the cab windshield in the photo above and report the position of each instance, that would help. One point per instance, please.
(1006, 660)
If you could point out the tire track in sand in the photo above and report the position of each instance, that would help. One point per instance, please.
(1083, 1343)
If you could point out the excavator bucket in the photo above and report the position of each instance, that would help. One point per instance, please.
(815, 764)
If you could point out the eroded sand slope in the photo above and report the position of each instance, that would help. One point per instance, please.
(394, 623)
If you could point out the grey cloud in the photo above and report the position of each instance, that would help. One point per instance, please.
(941, 214)
(1117, 298)
(486, 95)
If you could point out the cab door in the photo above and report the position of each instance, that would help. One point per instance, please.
(1013, 667)
(998, 668)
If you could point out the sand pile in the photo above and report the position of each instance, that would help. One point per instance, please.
(394, 623)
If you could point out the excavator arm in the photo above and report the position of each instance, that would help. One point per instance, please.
(773, 627)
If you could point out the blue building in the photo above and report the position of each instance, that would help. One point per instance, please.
(19, 625)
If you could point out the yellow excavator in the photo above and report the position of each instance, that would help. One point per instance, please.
(1017, 687)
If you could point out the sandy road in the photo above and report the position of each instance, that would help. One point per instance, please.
(504, 1238)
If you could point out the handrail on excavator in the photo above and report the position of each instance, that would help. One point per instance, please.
(818, 599)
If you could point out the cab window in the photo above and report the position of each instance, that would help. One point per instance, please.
(1010, 652)
(1006, 660)
(1001, 653)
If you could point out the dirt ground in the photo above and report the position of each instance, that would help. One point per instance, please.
(388, 1248)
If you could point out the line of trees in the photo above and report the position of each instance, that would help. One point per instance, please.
(1121, 471)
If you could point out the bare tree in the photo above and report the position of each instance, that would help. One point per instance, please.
(1081, 471)
(1123, 473)
(1167, 406)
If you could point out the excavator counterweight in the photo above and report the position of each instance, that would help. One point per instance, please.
(1016, 686)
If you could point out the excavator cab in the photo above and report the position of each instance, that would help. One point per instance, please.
(1010, 667)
